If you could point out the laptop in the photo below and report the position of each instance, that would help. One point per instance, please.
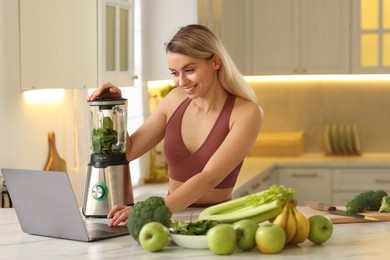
(45, 205)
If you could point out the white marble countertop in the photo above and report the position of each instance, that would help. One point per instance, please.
(349, 241)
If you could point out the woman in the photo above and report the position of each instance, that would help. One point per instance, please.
(209, 123)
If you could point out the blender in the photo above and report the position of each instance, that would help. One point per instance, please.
(108, 180)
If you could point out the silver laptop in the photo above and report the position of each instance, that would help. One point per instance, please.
(45, 205)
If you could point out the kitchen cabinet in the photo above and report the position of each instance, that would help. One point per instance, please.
(258, 183)
(348, 182)
(217, 15)
(308, 183)
(282, 36)
(75, 44)
(328, 182)
(371, 36)
(160, 20)
(300, 37)
(209, 14)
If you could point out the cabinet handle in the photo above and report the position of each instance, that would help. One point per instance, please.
(382, 181)
(266, 178)
(255, 186)
(244, 194)
(304, 175)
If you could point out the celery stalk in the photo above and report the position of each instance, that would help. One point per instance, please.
(267, 215)
(243, 214)
(261, 205)
(232, 205)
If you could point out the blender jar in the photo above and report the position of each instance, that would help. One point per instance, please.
(108, 123)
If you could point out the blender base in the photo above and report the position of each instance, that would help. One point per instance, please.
(105, 188)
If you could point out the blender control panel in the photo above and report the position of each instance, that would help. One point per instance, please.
(99, 191)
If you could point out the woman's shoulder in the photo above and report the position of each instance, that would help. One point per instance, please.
(171, 101)
(242, 104)
(177, 93)
(246, 110)
(175, 97)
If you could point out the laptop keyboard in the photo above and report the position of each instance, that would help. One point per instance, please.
(99, 230)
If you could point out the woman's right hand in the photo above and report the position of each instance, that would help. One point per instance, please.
(119, 214)
(105, 90)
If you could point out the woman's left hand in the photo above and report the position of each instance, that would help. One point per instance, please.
(105, 90)
(119, 214)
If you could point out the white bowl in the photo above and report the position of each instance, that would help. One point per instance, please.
(190, 241)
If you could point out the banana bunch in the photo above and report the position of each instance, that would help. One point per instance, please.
(294, 223)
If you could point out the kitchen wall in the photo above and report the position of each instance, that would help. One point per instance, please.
(310, 105)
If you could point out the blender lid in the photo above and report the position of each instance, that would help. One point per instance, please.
(107, 101)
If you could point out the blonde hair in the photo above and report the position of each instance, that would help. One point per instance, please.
(200, 42)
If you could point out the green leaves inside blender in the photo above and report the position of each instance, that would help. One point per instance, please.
(104, 138)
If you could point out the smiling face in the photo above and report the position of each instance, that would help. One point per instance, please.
(195, 76)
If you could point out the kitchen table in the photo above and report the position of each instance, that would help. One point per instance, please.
(349, 241)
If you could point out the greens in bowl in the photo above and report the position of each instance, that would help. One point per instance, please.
(191, 234)
(199, 227)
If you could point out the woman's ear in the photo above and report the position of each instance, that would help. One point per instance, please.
(217, 62)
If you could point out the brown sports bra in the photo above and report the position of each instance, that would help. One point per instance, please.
(182, 165)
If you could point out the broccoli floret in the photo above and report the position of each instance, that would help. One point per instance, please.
(385, 204)
(368, 200)
(151, 209)
(375, 199)
(357, 204)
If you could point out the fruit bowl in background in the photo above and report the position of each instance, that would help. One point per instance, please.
(190, 241)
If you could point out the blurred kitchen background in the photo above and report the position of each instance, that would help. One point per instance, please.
(312, 64)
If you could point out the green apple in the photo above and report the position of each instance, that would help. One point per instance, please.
(321, 229)
(153, 236)
(222, 239)
(246, 233)
(270, 238)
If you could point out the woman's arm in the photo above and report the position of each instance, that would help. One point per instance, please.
(246, 120)
(150, 133)
(147, 136)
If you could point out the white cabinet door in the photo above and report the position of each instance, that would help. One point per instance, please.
(54, 54)
(116, 38)
(360, 179)
(349, 182)
(275, 37)
(61, 42)
(308, 183)
(160, 20)
(300, 37)
(325, 37)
